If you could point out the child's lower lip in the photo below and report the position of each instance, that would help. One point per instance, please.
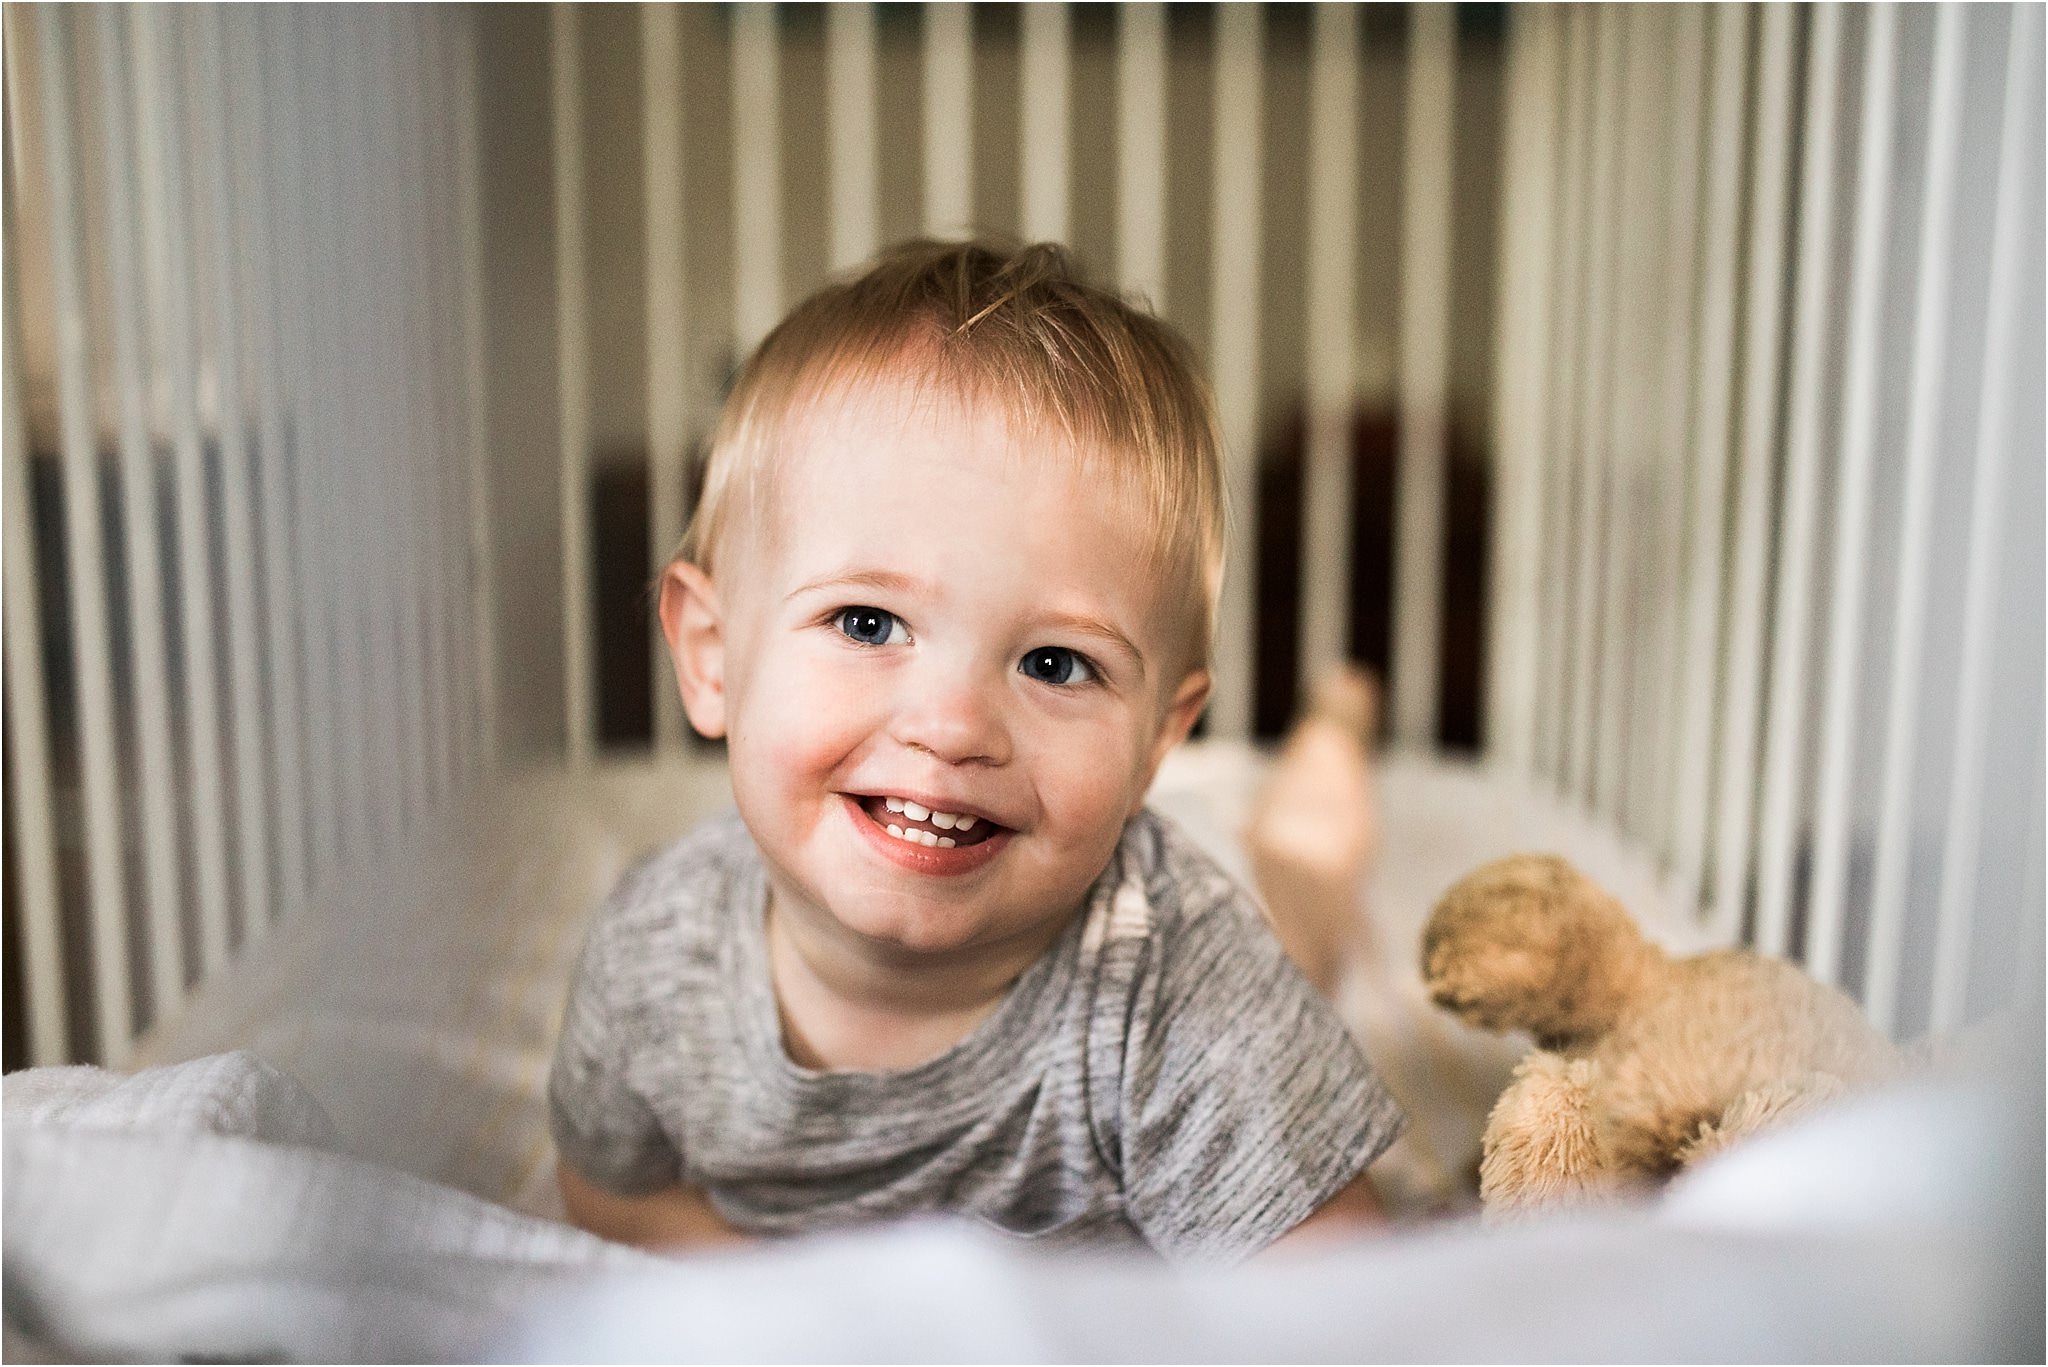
(922, 858)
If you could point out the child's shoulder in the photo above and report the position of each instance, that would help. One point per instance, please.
(1186, 885)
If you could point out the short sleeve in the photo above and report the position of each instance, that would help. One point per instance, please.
(602, 1127)
(1245, 1103)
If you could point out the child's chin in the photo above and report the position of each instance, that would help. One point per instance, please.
(909, 931)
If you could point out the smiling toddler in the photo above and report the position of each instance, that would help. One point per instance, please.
(948, 598)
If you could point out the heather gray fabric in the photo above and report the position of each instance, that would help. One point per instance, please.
(1162, 1074)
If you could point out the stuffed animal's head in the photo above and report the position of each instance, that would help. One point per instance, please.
(1530, 943)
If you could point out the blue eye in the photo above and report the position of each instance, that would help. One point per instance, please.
(867, 626)
(1056, 665)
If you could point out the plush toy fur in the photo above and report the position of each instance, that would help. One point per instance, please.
(1645, 1062)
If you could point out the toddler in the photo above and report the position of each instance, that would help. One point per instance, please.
(948, 598)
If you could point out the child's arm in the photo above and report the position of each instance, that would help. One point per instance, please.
(666, 1218)
(1354, 1210)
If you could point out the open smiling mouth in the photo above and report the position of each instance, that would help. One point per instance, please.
(915, 825)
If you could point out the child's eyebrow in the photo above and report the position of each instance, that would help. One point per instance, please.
(893, 582)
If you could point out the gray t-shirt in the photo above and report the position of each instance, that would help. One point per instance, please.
(1162, 1073)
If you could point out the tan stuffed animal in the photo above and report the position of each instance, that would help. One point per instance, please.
(1645, 1062)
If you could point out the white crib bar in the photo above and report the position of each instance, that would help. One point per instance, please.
(1424, 455)
(1141, 150)
(1528, 176)
(438, 362)
(757, 184)
(156, 773)
(206, 73)
(263, 323)
(856, 187)
(1764, 295)
(1707, 499)
(1827, 911)
(419, 616)
(1235, 238)
(572, 340)
(85, 556)
(1992, 453)
(486, 738)
(948, 117)
(1930, 362)
(1786, 733)
(31, 806)
(1044, 136)
(668, 392)
(1332, 285)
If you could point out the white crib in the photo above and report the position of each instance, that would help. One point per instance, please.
(326, 329)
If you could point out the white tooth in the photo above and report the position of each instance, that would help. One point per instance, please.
(915, 812)
(944, 820)
(896, 831)
(895, 804)
(947, 842)
(964, 823)
(927, 839)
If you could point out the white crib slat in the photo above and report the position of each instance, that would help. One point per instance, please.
(1561, 383)
(757, 185)
(856, 185)
(573, 363)
(1044, 98)
(1331, 279)
(661, 93)
(85, 558)
(439, 367)
(30, 805)
(1930, 357)
(1852, 508)
(1234, 338)
(1425, 372)
(150, 651)
(411, 74)
(482, 568)
(208, 74)
(1528, 171)
(1141, 150)
(254, 192)
(1786, 734)
(1956, 909)
(1770, 164)
(1707, 498)
(1683, 160)
(948, 117)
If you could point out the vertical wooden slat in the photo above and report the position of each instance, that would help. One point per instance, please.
(1528, 176)
(1706, 500)
(668, 390)
(1851, 523)
(410, 71)
(1044, 138)
(31, 805)
(433, 223)
(482, 580)
(1909, 613)
(1684, 163)
(255, 194)
(757, 180)
(1234, 338)
(1786, 733)
(572, 362)
(1770, 163)
(85, 554)
(856, 167)
(948, 117)
(1588, 454)
(1425, 372)
(1956, 911)
(156, 772)
(1141, 150)
(1331, 280)
(207, 73)
(1561, 382)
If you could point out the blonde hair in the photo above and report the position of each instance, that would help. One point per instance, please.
(1017, 326)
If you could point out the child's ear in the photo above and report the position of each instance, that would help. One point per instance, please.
(1181, 715)
(694, 623)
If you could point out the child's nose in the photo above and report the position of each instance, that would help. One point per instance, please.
(954, 715)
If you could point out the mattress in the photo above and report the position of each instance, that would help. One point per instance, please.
(420, 1004)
